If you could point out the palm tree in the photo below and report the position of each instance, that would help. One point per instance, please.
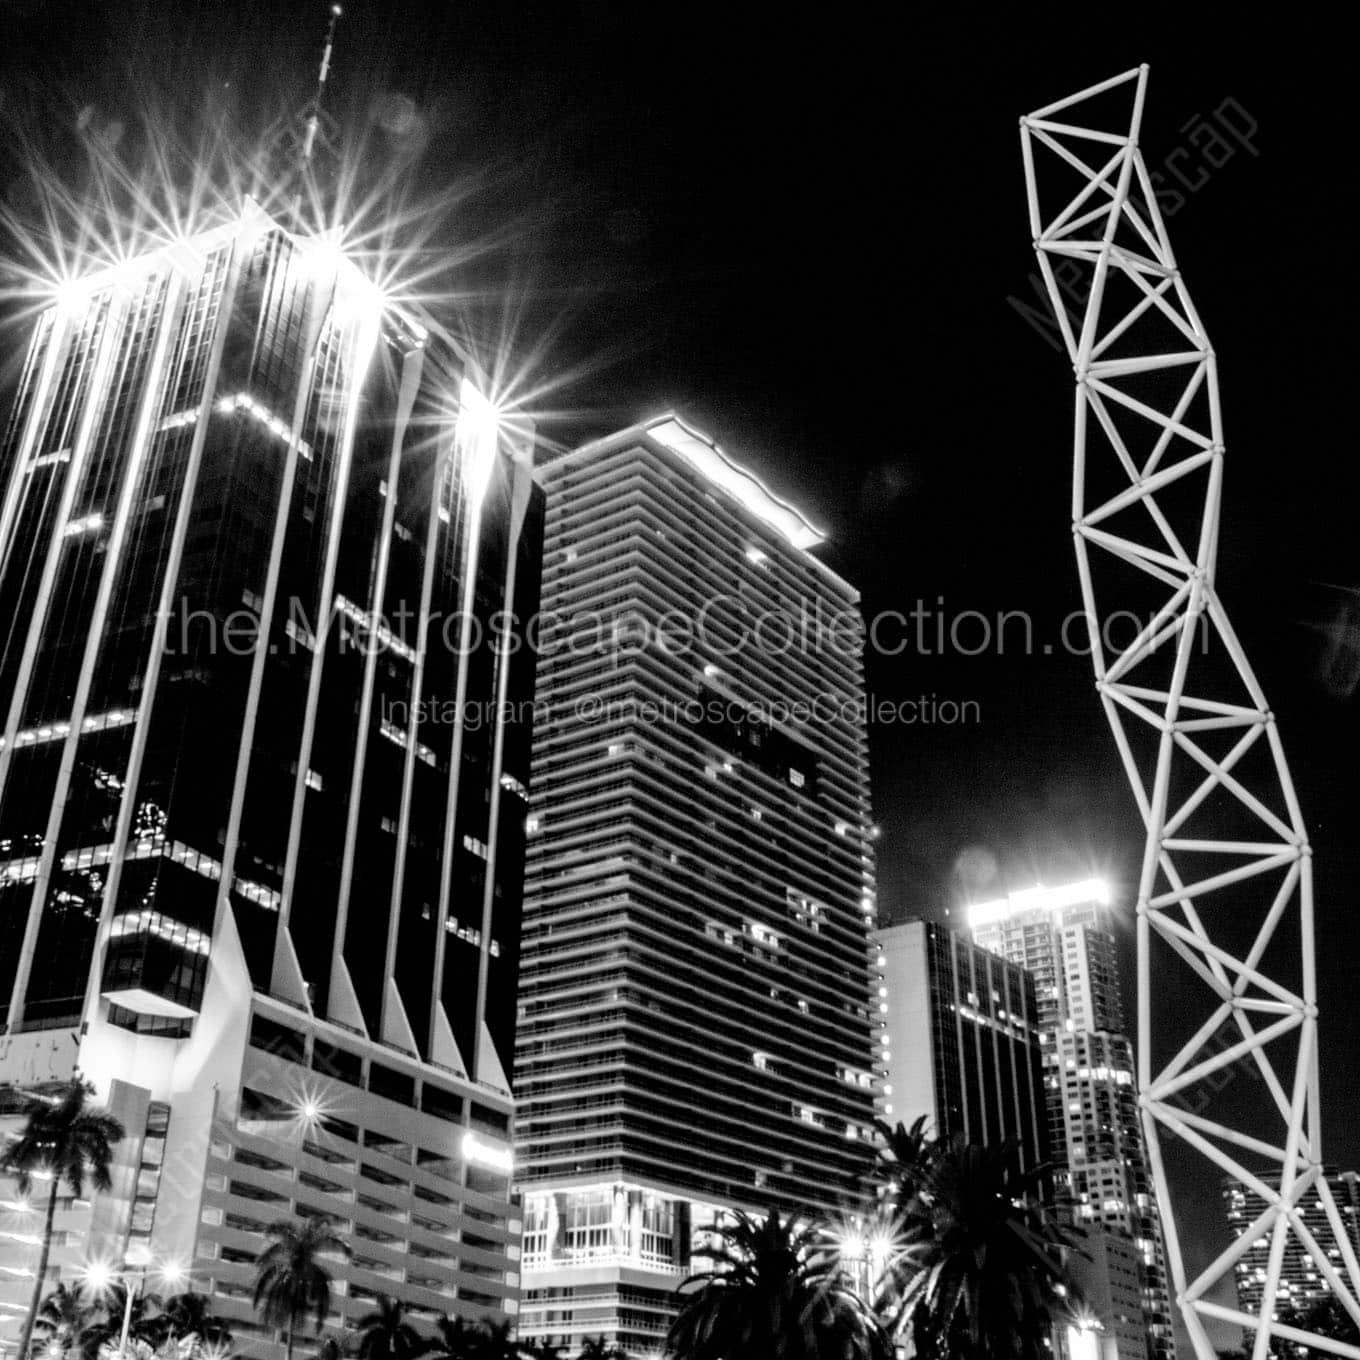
(458, 1338)
(145, 1322)
(64, 1140)
(63, 1321)
(290, 1282)
(384, 1334)
(494, 1342)
(541, 1350)
(776, 1291)
(186, 1316)
(984, 1275)
(597, 1348)
(903, 1160)
(335, 1347)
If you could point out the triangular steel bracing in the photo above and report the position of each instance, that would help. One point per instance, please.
(1193, 728)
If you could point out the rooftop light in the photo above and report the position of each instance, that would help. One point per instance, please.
(477, 436)
(742, 485)
(1039, 899)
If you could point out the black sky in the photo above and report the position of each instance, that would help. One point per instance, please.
(804, 228)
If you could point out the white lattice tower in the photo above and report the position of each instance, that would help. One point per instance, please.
(1193, 728)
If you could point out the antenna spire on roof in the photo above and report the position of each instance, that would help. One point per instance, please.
(314, 117)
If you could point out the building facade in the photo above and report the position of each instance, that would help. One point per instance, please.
(1302, 1285)
(1107, 1274)
(261, 797)
(696, 1031)
(963, 1031)
(1066, 938)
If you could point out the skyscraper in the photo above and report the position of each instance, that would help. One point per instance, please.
(1302, 1285)
(1065, 936)
(695, 1029)
(963, 1039)
(1106, 1271)
(261, 791)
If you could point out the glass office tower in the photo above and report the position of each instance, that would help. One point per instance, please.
(963, 1040)
(263, 768)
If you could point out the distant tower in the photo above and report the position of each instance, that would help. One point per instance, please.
(1065, 936)
(1302, 1285)
(696, 1025)
(964, 1039)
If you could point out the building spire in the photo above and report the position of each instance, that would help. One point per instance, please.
(314, 116)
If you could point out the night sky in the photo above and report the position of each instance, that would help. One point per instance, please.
(805, 230)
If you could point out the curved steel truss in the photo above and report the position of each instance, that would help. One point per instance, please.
(1226, 880)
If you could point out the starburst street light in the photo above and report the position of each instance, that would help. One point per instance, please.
(868, 1247)
(99, 1277)
(1083, 1337)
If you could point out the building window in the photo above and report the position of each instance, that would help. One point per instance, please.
(589, 1224)
(658, 1230)
(536, 1215)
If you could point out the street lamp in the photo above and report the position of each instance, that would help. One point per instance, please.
(99, 1276)
(869, 1248)
(1083, 1337)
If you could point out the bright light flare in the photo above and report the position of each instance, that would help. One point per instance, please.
(1040, 898)
(1083, 1340)
(850, 1241)
(311, 1106)
(869, 1248)
(492, 1155)
(325, 255)
(329, 263)
(883, 1245)
(477, 438)
(195, 160)
(98, 1276)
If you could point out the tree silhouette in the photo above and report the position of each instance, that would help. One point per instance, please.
(290, 1282)
(777, 1291)
(984, 1273)
(63, 1140)
(384, 1334)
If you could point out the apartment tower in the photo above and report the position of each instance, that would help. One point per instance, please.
(695, 1030)
(1302, 1286)
(1065, 936)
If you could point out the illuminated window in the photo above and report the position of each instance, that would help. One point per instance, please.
(589, 1223)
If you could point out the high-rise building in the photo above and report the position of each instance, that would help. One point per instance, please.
(1302, 1285)
(963, 1039)
(1105, 1270)
(695, 1030)
(1065, 937)
(263, 779)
